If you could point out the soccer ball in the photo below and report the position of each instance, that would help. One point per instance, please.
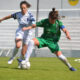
(25, 65)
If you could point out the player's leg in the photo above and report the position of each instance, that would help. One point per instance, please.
(18, 45)
(31, 44)
(18, 42)
(26, 38)
(23, 51)
(30, 48)
(40, 42)
(54, 47)
(64, 60)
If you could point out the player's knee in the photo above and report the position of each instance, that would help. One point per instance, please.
(58, 53)
(18, 46)
(36, 42)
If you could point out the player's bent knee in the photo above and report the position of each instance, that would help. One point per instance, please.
(36, 42)
(18, 46)
(58, 53)
(18, 43)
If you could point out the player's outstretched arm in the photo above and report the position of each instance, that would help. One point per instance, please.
(67, 33)
(5, 18)
(29, 27)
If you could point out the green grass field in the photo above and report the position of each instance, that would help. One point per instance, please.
(41, 69)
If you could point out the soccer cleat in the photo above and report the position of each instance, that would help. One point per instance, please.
(72, 69)
(19, 63)
(10, 61)
(19, 60)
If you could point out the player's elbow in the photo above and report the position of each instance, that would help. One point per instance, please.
(64, 30)
(34, 26)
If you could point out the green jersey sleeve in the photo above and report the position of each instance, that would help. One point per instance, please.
(40, 23)
(60, 23)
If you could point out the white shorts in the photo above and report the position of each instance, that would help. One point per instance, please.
(25, 36)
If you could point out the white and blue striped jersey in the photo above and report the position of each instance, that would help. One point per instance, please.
(24, 20)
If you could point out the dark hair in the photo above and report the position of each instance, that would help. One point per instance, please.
(26, 3)
(54, 14)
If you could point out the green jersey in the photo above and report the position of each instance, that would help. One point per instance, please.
(51, 31)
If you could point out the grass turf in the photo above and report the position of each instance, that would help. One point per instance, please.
(41, 69)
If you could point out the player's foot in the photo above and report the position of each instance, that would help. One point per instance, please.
(72, 69)
(10, 61)
(19, 60)
(19, 63)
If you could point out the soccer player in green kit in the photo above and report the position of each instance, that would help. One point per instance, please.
(50, 37)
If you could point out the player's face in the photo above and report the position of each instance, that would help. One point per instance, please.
(52, 21)
(23, 8)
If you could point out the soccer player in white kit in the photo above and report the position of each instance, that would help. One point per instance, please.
(25, 19)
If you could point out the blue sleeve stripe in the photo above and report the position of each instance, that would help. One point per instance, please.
(13, 15)
(62, 27)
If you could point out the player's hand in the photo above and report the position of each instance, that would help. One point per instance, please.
(0, 20)
(68, 37)
(24, 28)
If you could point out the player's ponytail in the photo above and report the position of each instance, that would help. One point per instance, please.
(53, 9)
(54, 14)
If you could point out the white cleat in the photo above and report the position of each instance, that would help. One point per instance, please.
(10, 61)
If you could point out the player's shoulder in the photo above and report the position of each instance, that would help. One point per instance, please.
(45, 20)
(18, 13)
(30, 14)
(60, 23)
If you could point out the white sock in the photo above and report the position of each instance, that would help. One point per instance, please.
(14, 52)
(64, 59)
(29, 50)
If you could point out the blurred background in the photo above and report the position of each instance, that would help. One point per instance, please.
(69, 10)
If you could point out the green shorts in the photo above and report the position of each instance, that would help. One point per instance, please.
(53, 46)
